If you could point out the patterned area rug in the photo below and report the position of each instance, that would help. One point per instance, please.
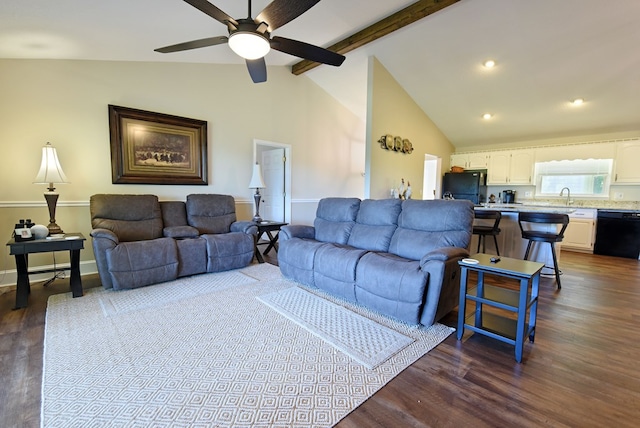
(364, 340)
(211, 356)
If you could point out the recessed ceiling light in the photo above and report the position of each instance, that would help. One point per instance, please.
(577, 101)
(489, 63)
(487, 116)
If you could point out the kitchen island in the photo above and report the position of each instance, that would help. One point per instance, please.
(510, 240)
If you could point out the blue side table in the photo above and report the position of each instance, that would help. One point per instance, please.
(522, 302)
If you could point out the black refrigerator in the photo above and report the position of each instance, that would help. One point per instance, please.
(471, 185)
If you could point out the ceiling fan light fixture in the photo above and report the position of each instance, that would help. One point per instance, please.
(249, 45)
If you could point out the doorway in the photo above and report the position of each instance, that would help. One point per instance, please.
(432, 177)
(275, 160)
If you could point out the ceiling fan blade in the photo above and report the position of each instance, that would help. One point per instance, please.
(257, 69)
(279, 12)
(306, 51)
(211, 10)
(194, 44)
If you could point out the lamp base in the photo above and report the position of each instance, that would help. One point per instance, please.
(256, 199)
(54, 229)
(52, 200)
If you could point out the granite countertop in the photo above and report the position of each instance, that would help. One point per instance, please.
(527, 208)
(584, 203)
(554, 206)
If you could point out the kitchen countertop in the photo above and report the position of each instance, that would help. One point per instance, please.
(603, 204)
(527, 208)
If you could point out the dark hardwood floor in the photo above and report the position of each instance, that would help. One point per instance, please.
(582, 370)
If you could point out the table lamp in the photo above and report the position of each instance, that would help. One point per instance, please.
(50, 173)
(257, 183)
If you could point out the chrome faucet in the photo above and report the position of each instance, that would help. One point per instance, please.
(568, 195)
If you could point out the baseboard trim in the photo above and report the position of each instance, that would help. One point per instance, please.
(10, 277)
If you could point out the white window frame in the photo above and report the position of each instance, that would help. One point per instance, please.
(571, 173)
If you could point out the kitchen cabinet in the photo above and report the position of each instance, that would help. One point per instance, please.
(626, 168)
(470, 160)
(498, 168)
(510, 167)
(521, 167)
(581, 231)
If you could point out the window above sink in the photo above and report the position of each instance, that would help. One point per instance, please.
(586, 178)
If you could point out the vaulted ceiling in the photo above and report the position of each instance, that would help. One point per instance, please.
(547, 53)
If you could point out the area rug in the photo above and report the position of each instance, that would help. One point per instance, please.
(184, 354)
(364, 340)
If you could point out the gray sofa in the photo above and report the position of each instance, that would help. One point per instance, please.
(397, 257)
(139, 241)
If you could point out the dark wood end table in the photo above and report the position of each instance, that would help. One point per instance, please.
(267, 227)
(72, 242)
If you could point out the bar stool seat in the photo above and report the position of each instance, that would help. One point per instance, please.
(534, 235)
(484, 229)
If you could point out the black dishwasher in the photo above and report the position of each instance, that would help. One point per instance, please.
(618, 233)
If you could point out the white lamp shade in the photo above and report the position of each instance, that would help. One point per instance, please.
(249, 45)
(50, 169)
(257, 182)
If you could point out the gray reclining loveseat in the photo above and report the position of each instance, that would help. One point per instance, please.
(139, 241)
(397, 257)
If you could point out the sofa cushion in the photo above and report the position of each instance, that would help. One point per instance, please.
(427, 225)
(335, 218)
(376, 222)
(136, 264)
(228, 251)
(296, 257)
(180, 232)
(211, 213)
(392, 285)
(192, 256)
(174, 213)
(335, 269)
(130, 217)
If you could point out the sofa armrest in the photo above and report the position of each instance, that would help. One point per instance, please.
(103, 241)
(297, 231)
(443, 254)
(180, 232)
(247, 227)
(443, 288)
(106, 234)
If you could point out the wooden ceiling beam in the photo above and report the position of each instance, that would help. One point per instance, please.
(391, 23)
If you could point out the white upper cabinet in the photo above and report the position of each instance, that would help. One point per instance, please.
(459, 160)
(498, 169)
(469, 160)
(627, 160)
(510, 167)
(516, 166)
(521, 168)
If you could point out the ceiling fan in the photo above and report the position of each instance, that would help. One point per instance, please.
(251, 38)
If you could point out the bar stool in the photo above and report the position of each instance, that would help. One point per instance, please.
(484, 229)
(534, 235)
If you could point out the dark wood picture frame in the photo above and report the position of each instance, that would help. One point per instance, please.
(156, 148)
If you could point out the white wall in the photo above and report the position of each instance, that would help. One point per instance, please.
(391, 110)
(65, 103)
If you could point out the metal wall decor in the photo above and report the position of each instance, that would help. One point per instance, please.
(396, 144)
